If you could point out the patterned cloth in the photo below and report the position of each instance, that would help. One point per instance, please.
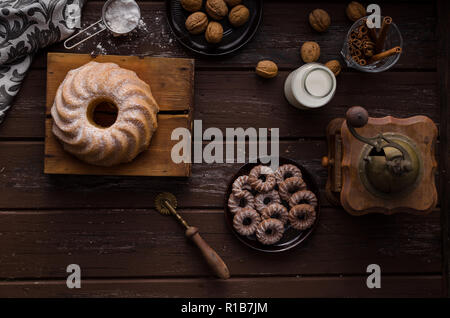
(25, 27)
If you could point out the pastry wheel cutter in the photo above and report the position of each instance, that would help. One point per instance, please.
(166, 204)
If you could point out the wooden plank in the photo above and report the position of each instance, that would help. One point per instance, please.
(172, 82)
(240, 99)
(284, 287)
(171, 79)
(155, 161)
(143, 243)
(42, 243)
(278, 41)
(444, 89)
(24, 185)
(261, 103)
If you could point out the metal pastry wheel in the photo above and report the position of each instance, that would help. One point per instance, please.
(166, 204)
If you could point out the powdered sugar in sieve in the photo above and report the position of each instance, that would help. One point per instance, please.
(122, 16)
(118, 16)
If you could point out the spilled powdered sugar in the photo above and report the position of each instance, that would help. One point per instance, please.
(100, 49)
(152, 36)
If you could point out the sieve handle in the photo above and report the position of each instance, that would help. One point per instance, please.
(103, 28)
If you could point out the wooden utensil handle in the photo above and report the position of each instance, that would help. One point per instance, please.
(212, 258)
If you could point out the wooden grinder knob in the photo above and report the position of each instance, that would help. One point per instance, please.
(357, 116)
(326, 161)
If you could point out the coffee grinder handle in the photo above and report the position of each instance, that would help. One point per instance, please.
(357, 116)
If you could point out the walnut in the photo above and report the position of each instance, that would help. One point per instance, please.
(216, 9)
(266, 69)
(191, 5)
(196, 23)
(238, 15)
(233, 3)
(355, 11)
(320, 20)
(334, 66)
(214, 32)
(310, 52)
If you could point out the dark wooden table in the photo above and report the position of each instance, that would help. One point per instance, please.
(109, 227)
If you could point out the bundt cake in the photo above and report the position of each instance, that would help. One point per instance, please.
(82, 90)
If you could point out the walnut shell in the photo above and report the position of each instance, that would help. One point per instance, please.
(216, 9)
(266, 69)
(355, 11)
(191, 5)
(196, 23)
(214, 32)
(334, 66)
(238, 15)
(320, 20)
(310, 51)
(233, 3)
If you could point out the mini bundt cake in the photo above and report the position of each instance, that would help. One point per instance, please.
(276, 211)
(303, 197)
(240, 186)
(289, 186)
(236, 204)
(262, 200)
(76, 98)
(269, 231)
(246, 221)
(261, 178)
(287, 171)
(302, 216)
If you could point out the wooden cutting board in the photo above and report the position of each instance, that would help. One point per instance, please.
(172, 84)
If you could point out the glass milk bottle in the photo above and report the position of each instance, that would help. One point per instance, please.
(310, 86)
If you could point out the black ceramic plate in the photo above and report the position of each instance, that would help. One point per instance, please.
(233, 38)
(291, 237)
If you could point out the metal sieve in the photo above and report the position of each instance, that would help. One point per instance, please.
(102, 23)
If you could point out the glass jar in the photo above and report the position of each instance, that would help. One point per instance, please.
(393, 38)
(310, 86)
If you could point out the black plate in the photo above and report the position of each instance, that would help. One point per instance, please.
(233, 38)
(291, 237)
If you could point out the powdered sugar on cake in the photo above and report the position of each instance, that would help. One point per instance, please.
(72, 116)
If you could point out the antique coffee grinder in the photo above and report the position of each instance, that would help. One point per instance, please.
(381, 165)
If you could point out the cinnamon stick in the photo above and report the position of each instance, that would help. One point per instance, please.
(372, 33)
(363, 30)
(387, 53)
(383, 32)
(357, 43)
(368, 52)
(368, 45)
